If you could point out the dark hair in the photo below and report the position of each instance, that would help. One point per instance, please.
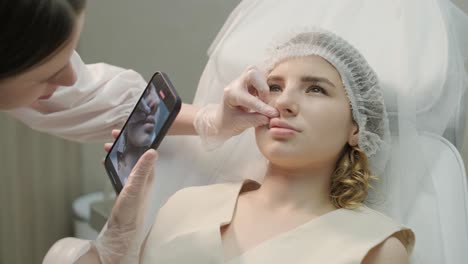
(32, 30)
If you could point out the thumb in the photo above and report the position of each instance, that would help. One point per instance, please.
(140, 173)
(145, 163)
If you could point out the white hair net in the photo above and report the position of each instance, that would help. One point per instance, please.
(359, 80)
(417, 48)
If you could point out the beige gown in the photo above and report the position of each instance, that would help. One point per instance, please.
(187, 230)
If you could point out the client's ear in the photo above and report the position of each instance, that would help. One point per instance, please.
(353, 138)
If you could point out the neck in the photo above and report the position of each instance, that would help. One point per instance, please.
(296, 189)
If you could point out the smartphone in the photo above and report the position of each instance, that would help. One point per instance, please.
(145, 128)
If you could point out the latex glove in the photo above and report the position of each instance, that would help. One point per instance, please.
(243, 106)
(114, 242)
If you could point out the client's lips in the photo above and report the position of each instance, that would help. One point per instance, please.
(277, 123)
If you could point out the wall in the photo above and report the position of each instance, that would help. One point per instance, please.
(463, 4)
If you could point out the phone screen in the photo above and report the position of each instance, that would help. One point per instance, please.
(148, 120)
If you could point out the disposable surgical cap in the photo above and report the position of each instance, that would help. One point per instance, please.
(359, 80)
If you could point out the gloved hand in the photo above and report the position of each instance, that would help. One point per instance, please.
(120, 235)
(243, 106)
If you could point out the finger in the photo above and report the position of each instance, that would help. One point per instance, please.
(254, 120)
(107, 147)
(257, 80)
(140, 173)
(115, 133)
(255, 104)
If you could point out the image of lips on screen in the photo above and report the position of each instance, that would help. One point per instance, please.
(141, 128)
(138, 134)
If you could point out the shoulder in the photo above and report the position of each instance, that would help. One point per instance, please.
(392, 241)
(402, 233)
(366, 218)
(365, 215)
(75, 58)
(390, 251)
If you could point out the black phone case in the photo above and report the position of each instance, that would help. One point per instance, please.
(169, 89)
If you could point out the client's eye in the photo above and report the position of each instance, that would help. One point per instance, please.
(275, 88)
(315, 89)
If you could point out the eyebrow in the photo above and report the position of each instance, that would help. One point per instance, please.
(275, 78)
(314, 79)
(317, 79)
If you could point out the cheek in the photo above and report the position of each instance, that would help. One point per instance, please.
(14, 96)
(330, 117)
(330, 127)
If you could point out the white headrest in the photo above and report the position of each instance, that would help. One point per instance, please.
(385, 38)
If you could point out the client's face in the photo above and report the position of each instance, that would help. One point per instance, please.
(315, 119)
(141, 128)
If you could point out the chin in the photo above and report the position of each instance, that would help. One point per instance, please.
(278, 152)
(146, 143)
(142, 140)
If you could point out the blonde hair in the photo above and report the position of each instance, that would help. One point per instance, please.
(351, 179)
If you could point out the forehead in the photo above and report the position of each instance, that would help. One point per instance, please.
(307, 65)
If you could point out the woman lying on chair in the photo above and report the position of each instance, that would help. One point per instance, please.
(320, 150)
